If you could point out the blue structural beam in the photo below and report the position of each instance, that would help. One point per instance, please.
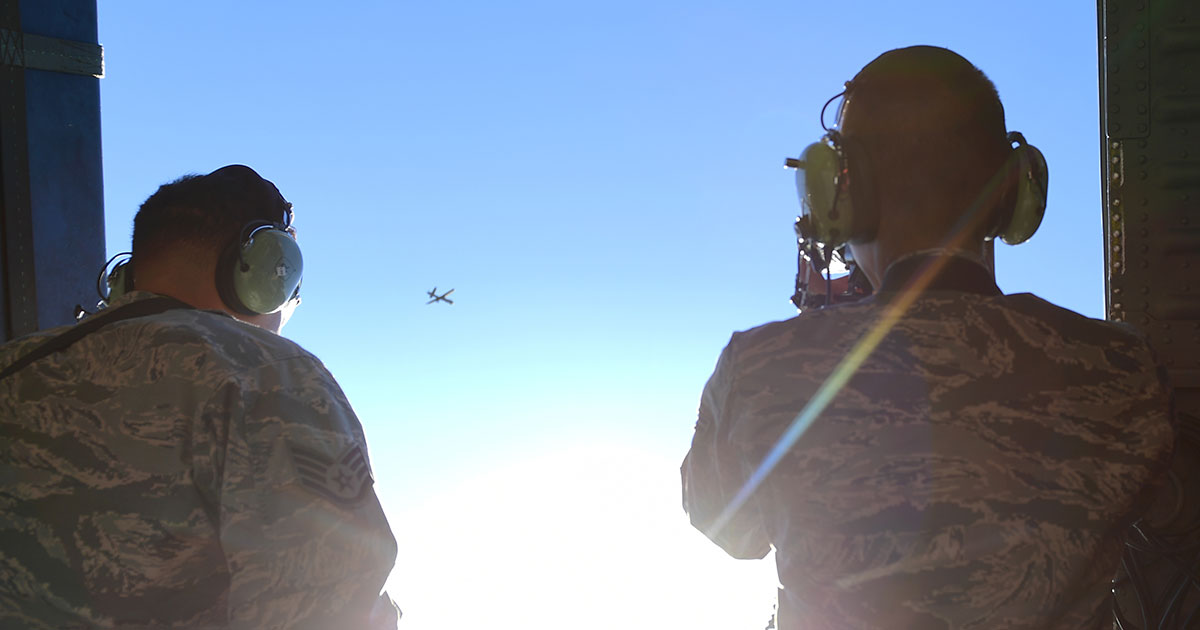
(53, 247)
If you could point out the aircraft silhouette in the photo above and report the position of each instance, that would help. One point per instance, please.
(439, 298)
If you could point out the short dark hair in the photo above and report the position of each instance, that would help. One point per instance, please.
(205, 211)
(930, 126)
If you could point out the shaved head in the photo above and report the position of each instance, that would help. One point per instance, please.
(928, 128)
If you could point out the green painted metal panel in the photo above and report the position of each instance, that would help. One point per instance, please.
(1150, 147)
(1150, 97)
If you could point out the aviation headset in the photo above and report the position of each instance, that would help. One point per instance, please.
(257, 274)
(837, 198)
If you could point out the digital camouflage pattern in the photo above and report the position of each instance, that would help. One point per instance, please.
(977, 471)
(185, 470)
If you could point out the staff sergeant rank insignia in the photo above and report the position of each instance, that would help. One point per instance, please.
(343, 480)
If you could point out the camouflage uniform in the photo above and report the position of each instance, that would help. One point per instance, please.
(977, 470)
(185, 470)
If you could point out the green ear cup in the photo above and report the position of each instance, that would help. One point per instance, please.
(1033, 184)
(111, 285)
(829, 213)
(120, 281)
(267, 272)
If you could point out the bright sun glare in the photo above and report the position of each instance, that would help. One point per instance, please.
(591, 537)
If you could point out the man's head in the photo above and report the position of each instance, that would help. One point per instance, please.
(182, 230)
(927, 128)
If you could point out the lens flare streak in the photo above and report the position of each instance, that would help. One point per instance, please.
(832, 385)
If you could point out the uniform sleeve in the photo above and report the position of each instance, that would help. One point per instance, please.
(304, 537)
(713, 473)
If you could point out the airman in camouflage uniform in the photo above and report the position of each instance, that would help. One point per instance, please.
(185, 470)
(976, 470)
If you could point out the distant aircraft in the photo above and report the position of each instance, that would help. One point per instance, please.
(439, 298)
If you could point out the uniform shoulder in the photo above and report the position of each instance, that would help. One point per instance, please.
(173, 333)
(231, 340)
(14, 349)
(1080, 327)
(826, 327)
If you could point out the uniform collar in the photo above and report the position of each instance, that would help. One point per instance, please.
(137, 296)
(130, 297)
(953, 271)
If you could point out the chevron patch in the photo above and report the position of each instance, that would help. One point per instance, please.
(343, 480)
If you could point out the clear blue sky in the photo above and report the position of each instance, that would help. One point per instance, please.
(602, 184)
